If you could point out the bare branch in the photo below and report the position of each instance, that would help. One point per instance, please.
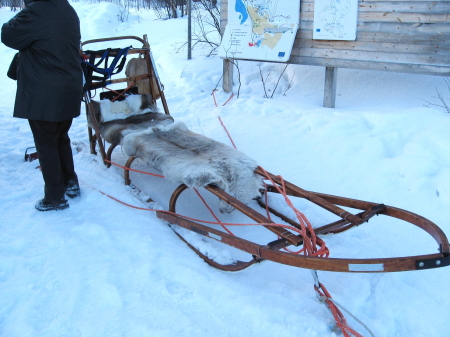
(276, 85)
(263, 82)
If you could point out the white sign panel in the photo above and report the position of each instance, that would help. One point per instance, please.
(260, 29)
(335, 19)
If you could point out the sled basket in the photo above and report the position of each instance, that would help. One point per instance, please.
(113, 61)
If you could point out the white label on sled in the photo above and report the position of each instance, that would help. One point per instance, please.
(366, 267)
(214, 236)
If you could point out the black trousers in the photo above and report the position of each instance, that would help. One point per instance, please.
(55, 156)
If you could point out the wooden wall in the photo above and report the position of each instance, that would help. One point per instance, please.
(404, 36)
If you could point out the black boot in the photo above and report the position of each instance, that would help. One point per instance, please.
(44, 205)
(72, 189)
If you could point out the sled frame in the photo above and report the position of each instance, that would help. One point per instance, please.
(331, 203)
(271, 251)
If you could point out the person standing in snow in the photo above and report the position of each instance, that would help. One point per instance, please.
(49, 89)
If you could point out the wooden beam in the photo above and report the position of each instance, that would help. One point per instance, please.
(329, 96)
(370, 65)
(227, 83)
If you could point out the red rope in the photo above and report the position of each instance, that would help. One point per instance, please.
(127, 88)
(309, 248)
(198, 220)
(311, 241)
(211, 211)
(266, 197)
(310, 244)
(214, 96)
(220, 119)
(160, 176)
(231, 139)
(133, 170)
(337, 314)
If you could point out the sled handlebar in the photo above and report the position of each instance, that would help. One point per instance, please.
(143, 41)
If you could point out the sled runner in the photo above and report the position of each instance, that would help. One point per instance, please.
(147, 134)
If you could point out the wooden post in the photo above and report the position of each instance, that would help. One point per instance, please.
(189, 47)
(329, 96)
(227, 83)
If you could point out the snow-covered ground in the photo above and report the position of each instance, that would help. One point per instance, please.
(103, 269)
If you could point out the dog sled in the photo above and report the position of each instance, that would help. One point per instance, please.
(144, 129)
(131, 117)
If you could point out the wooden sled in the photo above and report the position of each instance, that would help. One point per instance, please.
(272, 250)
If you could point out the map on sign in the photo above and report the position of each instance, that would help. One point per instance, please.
(335, 19)
(260, 29)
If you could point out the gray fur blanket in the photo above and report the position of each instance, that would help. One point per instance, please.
(185, 157)
(135, 113)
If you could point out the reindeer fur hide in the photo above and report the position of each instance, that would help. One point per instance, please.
(185, 157)
(140, 114)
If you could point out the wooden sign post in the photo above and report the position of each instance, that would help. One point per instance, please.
(401, 36)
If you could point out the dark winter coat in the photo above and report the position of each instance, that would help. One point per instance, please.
(49, 85)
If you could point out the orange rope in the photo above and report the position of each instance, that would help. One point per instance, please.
(133, 170)
(310, 244)
(199, 220)
(337, 314)
(311, 241)
(160, 176)
(127, 88)
(211, 211)
(220, 119)
(214, 96)
(234, 145)
(266, 197)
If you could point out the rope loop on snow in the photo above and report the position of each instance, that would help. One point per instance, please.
(214, 97)
(325, 297)
(310, 247)
(310, 240)
(220, 119)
